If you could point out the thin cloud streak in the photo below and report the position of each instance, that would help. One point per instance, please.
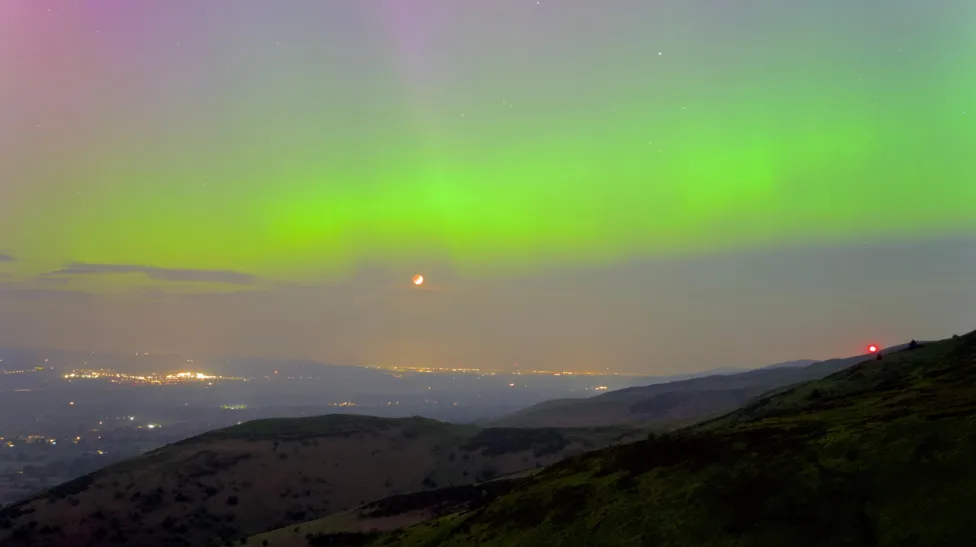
(16, 292)
(161, 274)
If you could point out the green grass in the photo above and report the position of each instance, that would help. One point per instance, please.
(882, 454)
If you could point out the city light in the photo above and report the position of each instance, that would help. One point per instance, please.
(152, 378)
(490, 372)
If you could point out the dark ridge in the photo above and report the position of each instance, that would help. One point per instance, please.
(340, 539)
(663, 404)
(444, 498)
(502, 440)
(16, 510)
(71, 487)
(329, 425)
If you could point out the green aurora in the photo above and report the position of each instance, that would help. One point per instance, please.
(592, 149)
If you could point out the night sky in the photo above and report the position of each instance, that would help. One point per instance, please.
(640, 185)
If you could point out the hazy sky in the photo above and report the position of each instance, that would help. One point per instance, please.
(644, 185)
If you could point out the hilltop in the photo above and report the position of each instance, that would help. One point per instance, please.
(674, 403)
(878, 454)
(235, 482)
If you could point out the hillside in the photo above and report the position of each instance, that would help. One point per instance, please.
(677, 403)
(358, 526)
(258, 476)
(880, 454)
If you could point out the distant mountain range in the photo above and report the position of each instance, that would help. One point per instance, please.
(676, 403)
(793, 364)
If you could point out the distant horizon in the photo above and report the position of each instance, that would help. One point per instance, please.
(424, 369)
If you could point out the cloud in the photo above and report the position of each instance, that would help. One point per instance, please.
(162, 274)
(7, 258)
(17, 292)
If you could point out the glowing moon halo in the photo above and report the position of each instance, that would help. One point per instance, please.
(418, 279)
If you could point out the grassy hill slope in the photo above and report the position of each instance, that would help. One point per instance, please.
(673, 403)
(881, 454)
(359, 526)
(232, 483)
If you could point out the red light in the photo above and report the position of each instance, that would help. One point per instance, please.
(872, 348)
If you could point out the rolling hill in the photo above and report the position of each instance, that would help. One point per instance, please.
(674, 403)
(359, 526)
(878, 454)
(222, 486)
